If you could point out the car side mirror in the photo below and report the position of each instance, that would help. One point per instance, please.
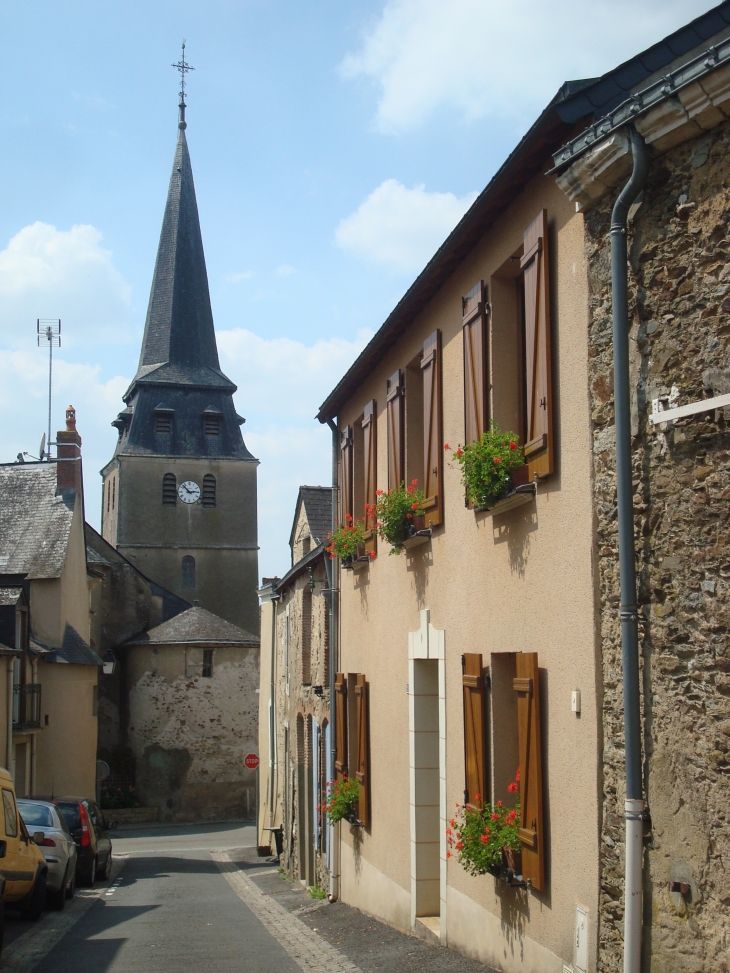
(39, 837)
(3, 848)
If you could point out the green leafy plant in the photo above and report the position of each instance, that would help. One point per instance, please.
(486, 464)
(345, 541)
(395, 512)
(113, 798)
(315, 892)
(478, 835)
(343, 796)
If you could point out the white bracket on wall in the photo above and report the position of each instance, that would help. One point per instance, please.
(661, 414)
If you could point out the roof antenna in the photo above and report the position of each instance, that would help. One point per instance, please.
(48, 329)
(182, 66)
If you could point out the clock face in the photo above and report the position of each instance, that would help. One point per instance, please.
(189, 491)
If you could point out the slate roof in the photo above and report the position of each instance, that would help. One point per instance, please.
(10, 596)
(196, 625)
(35, 522)
(73, 651)
(317, 502)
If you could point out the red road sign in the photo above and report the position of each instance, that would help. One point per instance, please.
(251, 760)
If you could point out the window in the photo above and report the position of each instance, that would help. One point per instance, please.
(369, 472)
(211, 423)
(207, 672)
(94, 700)
(163, 423)
(188, 571)
(521, 348)
(209, 490)
(169, 490)
(476, 391)
(347, 505)
(11, 815)
(306, 635)
(306, 545)
(424, 439)
(108, 495)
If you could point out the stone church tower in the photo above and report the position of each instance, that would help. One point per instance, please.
(179, 497)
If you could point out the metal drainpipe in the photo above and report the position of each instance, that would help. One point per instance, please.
(629, 612)
(9, 749)
(333, 576)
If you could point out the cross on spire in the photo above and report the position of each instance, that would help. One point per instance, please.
(182, 66)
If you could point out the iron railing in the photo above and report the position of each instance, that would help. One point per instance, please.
(27, 706)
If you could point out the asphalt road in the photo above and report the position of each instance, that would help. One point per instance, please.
(169, 909)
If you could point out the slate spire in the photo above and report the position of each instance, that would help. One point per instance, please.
(179, 326)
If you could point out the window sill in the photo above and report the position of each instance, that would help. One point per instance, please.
(519, 496)
(418, 538)
(358, 564)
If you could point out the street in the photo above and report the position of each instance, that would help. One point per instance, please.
(197, 897)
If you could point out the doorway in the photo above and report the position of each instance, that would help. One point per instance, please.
(426, 796)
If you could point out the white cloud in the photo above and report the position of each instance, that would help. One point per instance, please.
(243, 275)
(481, 57)
(50, 273)
(400, 226)
(285, 270)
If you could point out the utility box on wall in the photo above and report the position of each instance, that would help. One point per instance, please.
(580, 962)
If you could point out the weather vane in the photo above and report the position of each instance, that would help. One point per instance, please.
(182, 66)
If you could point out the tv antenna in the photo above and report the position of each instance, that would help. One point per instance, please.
(49, 332)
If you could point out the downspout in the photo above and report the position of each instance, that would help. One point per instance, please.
(34, 737)
(9, 748)
(333, 577)
(629, 611)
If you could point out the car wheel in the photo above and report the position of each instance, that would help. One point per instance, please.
(88, 876)
(71, 887)
(107, 873)
(37, 903)
(58, 899)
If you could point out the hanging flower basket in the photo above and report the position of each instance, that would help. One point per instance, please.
(342, 801)
(348, 544)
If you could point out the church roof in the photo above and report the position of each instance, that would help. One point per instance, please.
(35, 520)
(179, 344)
(198, 626)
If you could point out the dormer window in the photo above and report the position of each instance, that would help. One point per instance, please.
(163, 420)
(212, 421)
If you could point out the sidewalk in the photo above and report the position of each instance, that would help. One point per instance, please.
(369, 945)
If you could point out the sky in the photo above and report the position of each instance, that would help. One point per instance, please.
(334, 147)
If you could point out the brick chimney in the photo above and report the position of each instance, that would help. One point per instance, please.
(68, 467)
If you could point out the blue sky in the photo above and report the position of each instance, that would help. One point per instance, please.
(334, 145)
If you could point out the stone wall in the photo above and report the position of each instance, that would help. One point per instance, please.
(680, 302)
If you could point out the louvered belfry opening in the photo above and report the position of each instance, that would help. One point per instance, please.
(169, 490)
(211, 424)
(209, 486)
(163, 423)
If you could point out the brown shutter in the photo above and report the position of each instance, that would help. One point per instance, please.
(340, 725)
(370, 463)
(346, 451)
(396, 441)
(527, 687)
(475, 736)
(539, 446)
(363, 749)
(432, 435)
(474, 327)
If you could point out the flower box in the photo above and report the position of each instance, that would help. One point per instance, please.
(509, 871)
(517, 492)
(418, 533)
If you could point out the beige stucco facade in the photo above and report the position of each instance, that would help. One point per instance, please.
(519, 581)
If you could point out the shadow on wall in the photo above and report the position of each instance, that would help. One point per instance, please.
(419, 561)
(514, 528)
(161, 776)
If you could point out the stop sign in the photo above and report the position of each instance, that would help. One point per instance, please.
(251, 760)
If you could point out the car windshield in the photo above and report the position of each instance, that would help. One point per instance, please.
(35, 815)
(70, 813)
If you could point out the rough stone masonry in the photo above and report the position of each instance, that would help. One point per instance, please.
(679, 280)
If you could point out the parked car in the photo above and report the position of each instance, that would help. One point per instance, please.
(90, 831)
(57, 846)
(23, 869)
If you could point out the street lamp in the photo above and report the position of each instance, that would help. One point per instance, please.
(109, 663)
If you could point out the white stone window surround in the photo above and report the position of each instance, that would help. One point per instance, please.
(427, 644)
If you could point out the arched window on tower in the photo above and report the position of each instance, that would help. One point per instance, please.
(188, 571)
(209, 490)
(169, 489)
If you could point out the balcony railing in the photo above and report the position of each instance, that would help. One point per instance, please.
(27, 706)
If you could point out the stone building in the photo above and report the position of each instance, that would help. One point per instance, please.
(49, 672)
(294, 695)
(495, 638)
(179, 497)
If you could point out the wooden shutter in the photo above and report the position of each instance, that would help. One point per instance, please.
(347, 451)
(395, 402)
(527, 687)
(432, 435)
(370, 463)
(475, 735)
(474, 327)
(539, 446)
(363, 748)
(340, 725)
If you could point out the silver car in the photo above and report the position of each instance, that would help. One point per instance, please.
(51, 834)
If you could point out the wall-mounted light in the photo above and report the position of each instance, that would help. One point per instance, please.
(109, 663)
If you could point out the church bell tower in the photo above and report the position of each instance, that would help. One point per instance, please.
(179, 497)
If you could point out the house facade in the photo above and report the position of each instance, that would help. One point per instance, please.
(492, 641)
(294, 698)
